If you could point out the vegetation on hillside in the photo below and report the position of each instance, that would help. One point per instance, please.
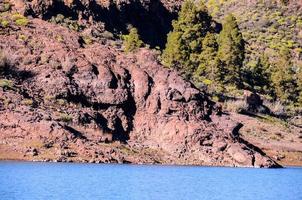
(231, 52)
(273, 45)
(224, 62)
(132, 41)
(184, 43)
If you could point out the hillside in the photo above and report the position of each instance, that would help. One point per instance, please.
(268, 27)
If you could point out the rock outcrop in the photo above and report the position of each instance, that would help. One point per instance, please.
(65, 100)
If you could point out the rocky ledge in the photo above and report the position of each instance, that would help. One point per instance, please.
(64, 99)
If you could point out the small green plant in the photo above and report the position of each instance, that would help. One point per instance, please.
(16, 16)
(215, 98)
(65, 117)
(67, 22)
(4, 23)
(48, 98)
(20, 20)
(5, 7)
(74, 26)
(59, 18)
(207, 82)
(27, 102)
(132, 41)
(59, 38)
(87, 39)
(61, 102)
(6, 102)
(22, 37)
(6, 84)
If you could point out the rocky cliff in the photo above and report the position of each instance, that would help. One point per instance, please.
(65, 96)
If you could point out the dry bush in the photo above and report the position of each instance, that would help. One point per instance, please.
(7, 59)
(4, 61)
(67, 63)
(237, 106)
(277, 108)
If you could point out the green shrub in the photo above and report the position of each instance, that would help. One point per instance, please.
(87, 40)
(59, 38)
(27, 102)
(6, 84)
(4, 23)
(74, 26)
(49, 98)
(65, 118)
(5, 7)
(61, 102)
(59, 18)
(132, 41)
(22, 37)
(17, 16)
(207, 82)
(22, 22)
(66, 22)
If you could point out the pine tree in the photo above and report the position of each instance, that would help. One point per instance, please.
(231, 52)
(208, 71)
(184, 43)
(132, 41)
(283, 79)
(258, 77)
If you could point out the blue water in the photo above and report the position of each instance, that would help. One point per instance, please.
(49, 181)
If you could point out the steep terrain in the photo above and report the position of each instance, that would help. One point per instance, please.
(71, 96)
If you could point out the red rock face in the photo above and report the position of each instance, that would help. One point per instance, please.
(73, 102)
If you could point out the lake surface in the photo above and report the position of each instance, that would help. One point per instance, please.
(25, 180)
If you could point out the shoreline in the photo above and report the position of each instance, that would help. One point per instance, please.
(148, 164)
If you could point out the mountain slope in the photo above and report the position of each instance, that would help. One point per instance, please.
(268, 27)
